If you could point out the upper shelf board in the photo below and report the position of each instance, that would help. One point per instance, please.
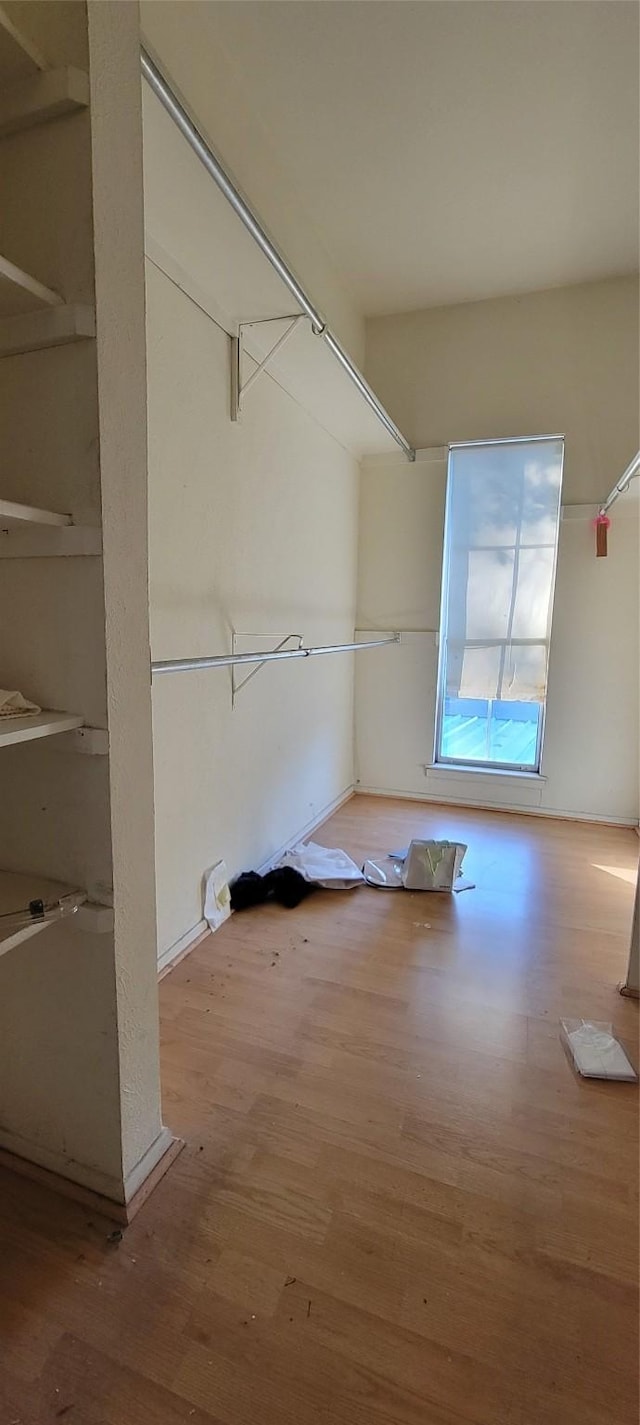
(21, 293)
(47, 95)
(31, 92)
(15, 516)
(20, 58)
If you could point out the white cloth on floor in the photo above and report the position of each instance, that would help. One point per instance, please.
(326, 866)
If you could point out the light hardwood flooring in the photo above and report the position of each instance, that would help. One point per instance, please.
(397, 1204)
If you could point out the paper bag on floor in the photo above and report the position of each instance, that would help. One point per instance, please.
(217, 898)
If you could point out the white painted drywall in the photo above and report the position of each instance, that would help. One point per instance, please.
(253, 527)
(558, 361)
(117, 185)
(188, 40)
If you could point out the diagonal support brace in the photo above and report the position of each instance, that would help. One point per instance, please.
(237, 684)
(240, 388)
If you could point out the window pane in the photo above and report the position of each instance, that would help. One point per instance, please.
(503, 506)
(505, 733)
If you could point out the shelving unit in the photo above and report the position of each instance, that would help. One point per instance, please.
(16, 892)
(34, 317)
(44, 724)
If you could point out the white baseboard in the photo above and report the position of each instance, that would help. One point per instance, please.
(54, 1161)
(305, 831)
(175, 952)
(446, 799)
(139, 1173)
(169, 957)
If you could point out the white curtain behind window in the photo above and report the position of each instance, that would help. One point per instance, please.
(503, 509)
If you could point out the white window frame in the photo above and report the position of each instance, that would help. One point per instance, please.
(453, 763)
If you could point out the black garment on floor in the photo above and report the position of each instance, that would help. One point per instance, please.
(284, 885)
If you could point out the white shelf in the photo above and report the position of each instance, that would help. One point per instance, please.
(20, 292)
(15, 516)
(44, 724)
(37, 99)
(51, 326)
(28, 532)
(20, 58)
(16, 891)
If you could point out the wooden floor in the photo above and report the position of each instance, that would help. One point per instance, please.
(397, 1205)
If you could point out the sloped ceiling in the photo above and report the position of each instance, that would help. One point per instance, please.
(448, 151)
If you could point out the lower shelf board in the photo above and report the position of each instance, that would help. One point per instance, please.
(44, 724)
(18, 891)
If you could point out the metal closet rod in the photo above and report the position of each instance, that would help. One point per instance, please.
(631, 472)
(230, 660)
(163, 91)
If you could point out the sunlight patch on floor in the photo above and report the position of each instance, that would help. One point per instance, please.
(623, 873)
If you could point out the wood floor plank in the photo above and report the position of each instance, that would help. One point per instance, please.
(397, 1203)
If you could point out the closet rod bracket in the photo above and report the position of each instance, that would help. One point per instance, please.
(238, 683)
(239, 387)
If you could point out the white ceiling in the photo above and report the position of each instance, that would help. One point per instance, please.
(450, 150)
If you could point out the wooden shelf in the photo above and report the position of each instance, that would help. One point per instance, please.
(44, 724)
(16, 891)
(15, 516)
(53, 326)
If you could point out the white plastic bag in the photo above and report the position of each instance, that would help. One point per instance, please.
(326, 866)
(595, 1051)
(387, 876)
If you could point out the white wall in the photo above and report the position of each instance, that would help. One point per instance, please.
(253, 528)
(187, 38)
(554, 361)
(117, 187)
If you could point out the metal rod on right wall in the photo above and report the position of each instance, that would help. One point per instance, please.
(631, 473)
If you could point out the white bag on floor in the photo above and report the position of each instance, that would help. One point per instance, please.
(432, 865)
(594, 1050)
(424, 866)
(326, 866)
(217, 897)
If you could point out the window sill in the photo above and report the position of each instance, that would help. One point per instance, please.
(457, 769)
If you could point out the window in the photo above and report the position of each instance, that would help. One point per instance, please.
(500, 543)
